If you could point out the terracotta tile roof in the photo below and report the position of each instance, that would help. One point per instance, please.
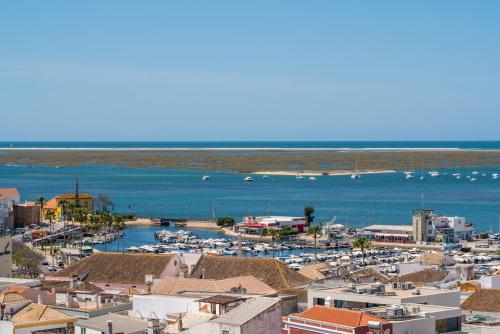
(312, 271)
(12, 297)
(72, 196)
(51, 204)
(174, 285)
(483, 300)
(63, 286)
(367, 272)
(301, 293)
(423, 277)
(9, 192)
(34, 313)
(118, 268)
(436, 258)
(343, 317)
(270, 271)
(16, 288)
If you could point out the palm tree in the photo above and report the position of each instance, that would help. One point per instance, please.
(41, 201)
(118, 226)
(275, 234)
(362, 243)
(50, 215)
(92, 225)
(316, 232)
(309, 215)
(106, 221)
(64, 205)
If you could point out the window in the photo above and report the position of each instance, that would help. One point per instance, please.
(225, 331)
(319, 301)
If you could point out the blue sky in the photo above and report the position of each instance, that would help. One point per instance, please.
(255, 70)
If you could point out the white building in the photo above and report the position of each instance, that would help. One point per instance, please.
(8, 197)
(113, 323)
(369, 295)
(260, 315)
(253, 224)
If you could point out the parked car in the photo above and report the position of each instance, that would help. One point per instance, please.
(52, 268)
(45, 262)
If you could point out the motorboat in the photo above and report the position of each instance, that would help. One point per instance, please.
(299, 177)
(248, 179)
(205, 177)
(434, 174)
(472, 179)
(409, 176)
(265, 177)
(312, 178)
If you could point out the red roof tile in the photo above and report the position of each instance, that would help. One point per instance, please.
(338, 316)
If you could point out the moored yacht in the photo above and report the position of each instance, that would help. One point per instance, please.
(248, 179)
(205, 177)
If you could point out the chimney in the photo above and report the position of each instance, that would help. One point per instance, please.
(203, 273)
(179, 323)
(40, 300)
(110, 326)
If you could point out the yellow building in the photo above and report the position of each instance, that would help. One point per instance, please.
(85, 201)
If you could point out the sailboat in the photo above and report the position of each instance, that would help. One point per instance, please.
(356, 176)
(422, 173)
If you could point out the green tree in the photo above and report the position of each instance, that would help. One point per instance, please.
(41, 202)
(50, 215)
(106, 220)
(309, 215)
(64, 204)
(225, 221)
(92, 225)
(316, 233)
(275, 234)
(363, 244)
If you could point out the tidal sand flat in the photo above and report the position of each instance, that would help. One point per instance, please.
(257, 160)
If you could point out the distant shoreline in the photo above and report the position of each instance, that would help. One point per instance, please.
(337, 149)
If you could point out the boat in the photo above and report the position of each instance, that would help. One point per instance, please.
(409, 175)
(422, 172)
(312, 178)
(494, 176)
(299, 177)
(356, 176)
(472, 179)
(248, 179)
(434, 174)
(205, 177)
(265, 177)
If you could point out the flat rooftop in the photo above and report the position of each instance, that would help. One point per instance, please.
(405, 228)
(389, 291)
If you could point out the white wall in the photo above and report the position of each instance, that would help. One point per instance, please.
(409, 267)
(30, 330)
(161, 305)
(489, 282)
(415, 326)
(6, 327)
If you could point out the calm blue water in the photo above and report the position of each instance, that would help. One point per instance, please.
(261, 144)
(374, 199)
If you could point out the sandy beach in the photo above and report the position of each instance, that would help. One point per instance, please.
(316, 173)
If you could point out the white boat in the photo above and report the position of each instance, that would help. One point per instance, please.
(409, 176)
(205, 178)
(312, 178)
(434, 174)
(248, 179)
(458, 177)
(475, 172)
(299, 177)
(472, 179)
(356, 176)
(494, 176)
(265, 176)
